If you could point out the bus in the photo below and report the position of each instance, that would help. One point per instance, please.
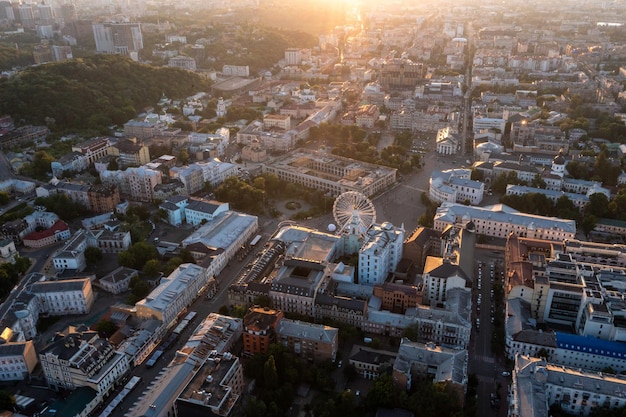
(255, 240)
(154, 358)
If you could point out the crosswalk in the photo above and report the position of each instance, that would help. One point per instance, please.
(484, 358)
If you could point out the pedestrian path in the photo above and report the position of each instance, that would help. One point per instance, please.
(484, 358)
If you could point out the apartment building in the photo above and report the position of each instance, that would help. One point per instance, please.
(397, 298)
(214, 390)
(118, 38)
(259, 329)
(400, 73)
(103, 198)
(277, 120)
(80, 358)
(380, 253)
(132, 152)
(94, 149)
(366, 116)
(538, 384)
(428, 361)
(141, 182)
(440, 276)
(307, 340)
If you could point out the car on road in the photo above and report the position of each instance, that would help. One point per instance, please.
(339, 364)
(506, 373)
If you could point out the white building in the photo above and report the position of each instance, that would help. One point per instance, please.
(174, 293)
(537, 385)
(380, 253)
(199, 210)
(455, 186)
(417, 361)
(118, 280)
(18, 359)
(440, 276)
(501, 220)
(83, 359)
(223, 237)
(60, 298)
(447, 142)
(72, 255)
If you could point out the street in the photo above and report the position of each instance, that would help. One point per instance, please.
(487, 366)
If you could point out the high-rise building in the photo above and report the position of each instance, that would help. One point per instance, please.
(293, 56)
(27, 16)
(68, 12)
(46, 14)
(118, 38)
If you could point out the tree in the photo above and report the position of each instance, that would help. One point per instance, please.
(105, 328)
(565, 208)
(41, 165)
(538, 182)
(598, 205)
(382, 394)
(139, 289)
(93, 255)
(152, 268)
(255, 408)
(7, 400)
(411, 332)
(113, 165)
(137, 255)
(184, 156)
(4, 198)
(262, 301)
(223, 310)
(588, 224)
(270, 376)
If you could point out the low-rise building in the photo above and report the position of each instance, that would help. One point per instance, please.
(18, 358)
(83, 359)
(214, 390)
(59, 232)
(199, 210)
(455, 186)
(310, 341)
(174, 293)
(60, 298)
(118, 280)
(431, 362)
(72, 256)
(331, 173)
(538, 385)
(501, 220)
(371, 363)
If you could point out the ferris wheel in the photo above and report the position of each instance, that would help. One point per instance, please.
(353, 212)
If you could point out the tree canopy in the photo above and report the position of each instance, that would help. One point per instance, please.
(91, 93)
